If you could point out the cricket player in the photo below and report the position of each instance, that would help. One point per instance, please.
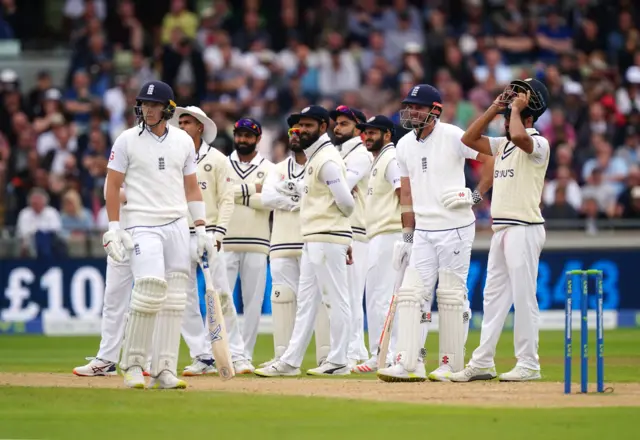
(117, 294)
(157, 164)
(436, 239)
(358, 162)
(217, 191)
(246, 245)
(384, 228)
(280, 192)
(521, 161)
(325, 208)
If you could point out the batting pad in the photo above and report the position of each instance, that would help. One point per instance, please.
(166, 343)
(323, 337)
(451, 295)
(408, 318)
(147, 297)
(283, 309)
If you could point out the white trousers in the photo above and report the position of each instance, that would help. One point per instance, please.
(194, 329)
(356, 276)
(159, 251)
(380, 282)
(512, 272)
(286, 271)
(117, 295)
(434, 250)
(252, 267)
(323, 277)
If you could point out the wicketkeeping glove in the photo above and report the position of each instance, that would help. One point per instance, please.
(461, 198)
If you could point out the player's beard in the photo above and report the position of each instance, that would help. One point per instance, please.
(377, 145)
(295, 146)
(341, 139)
(244, 149)
(308, 139)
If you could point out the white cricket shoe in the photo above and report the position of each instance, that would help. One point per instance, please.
(397, 373)
(351, 363)
(243, 366)
(277, 368)
(441, 374)
(470, 374)
(520, 374)
(133, 378)
(330, 369)
(96, 367)
(167, 381)
(199, 367)
(269, 362)
(368, 366)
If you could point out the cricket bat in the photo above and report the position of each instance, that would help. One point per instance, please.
(385, 336)
(215, 323)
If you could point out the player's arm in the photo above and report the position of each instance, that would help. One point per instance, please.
(116, 171)
(224, 189)
(332, 175)
(254, 200)
(358, 166)
(406, 207)
(273, 199)
(392, 174)
(123, 195)
(193, 193)
(473, 137)
(518, 133)
(486, 174)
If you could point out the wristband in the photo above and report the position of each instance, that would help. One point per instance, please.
(476, 197)
(407, 235)
(197, 210)
(114, 226)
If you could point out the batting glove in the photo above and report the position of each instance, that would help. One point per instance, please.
(461, 198)
(117, 243)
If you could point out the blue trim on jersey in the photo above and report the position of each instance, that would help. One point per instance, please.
(157, 226)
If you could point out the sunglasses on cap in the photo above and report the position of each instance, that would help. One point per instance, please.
(248, 124)
(347, 111)
(294, 132)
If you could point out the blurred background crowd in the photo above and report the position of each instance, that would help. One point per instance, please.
(265, 59)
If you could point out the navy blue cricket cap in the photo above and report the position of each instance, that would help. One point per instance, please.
(316, 112)
(248, 124)
(380, 122)
(352, 113)
(425, 95)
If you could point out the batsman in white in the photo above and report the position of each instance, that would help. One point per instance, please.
(384, 228)
(431, 158)
(326, 232)
(217, 192)
(521, 161)
(280, 192)
(157, 164)
(358, 161)
(247, 242)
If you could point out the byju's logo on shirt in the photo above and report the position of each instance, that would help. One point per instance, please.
(501, 174)
(424, 164)
(161, 163)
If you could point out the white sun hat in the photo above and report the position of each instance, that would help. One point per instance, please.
(210, 129)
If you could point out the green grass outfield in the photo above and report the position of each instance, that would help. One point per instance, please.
(70, 413)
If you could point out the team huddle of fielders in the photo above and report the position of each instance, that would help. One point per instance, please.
(351, 215)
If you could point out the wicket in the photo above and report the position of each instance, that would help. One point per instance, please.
(584, 330)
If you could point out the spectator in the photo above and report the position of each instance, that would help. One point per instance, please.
(560, 209)
(628, 204)
(559, 131)
(493, 69)
(614, 169)
(601, 191)
(179, 17)
(51, 105)
(553, 37)
(80, 99)
(124, 30)
(251, 31)
(38, 216)
(338, 73)
(74, 218)
(628, 96)
(37, 94)
(591, 213)
(399, 37)
(629, 151)
(572, 193)
(183, 65)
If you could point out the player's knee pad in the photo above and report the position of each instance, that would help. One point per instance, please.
(148, 295)
(408, 311)
(451, 295)
(177, 285)
(323, 338)
(283, 309)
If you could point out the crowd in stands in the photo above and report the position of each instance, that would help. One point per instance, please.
(267, 59)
